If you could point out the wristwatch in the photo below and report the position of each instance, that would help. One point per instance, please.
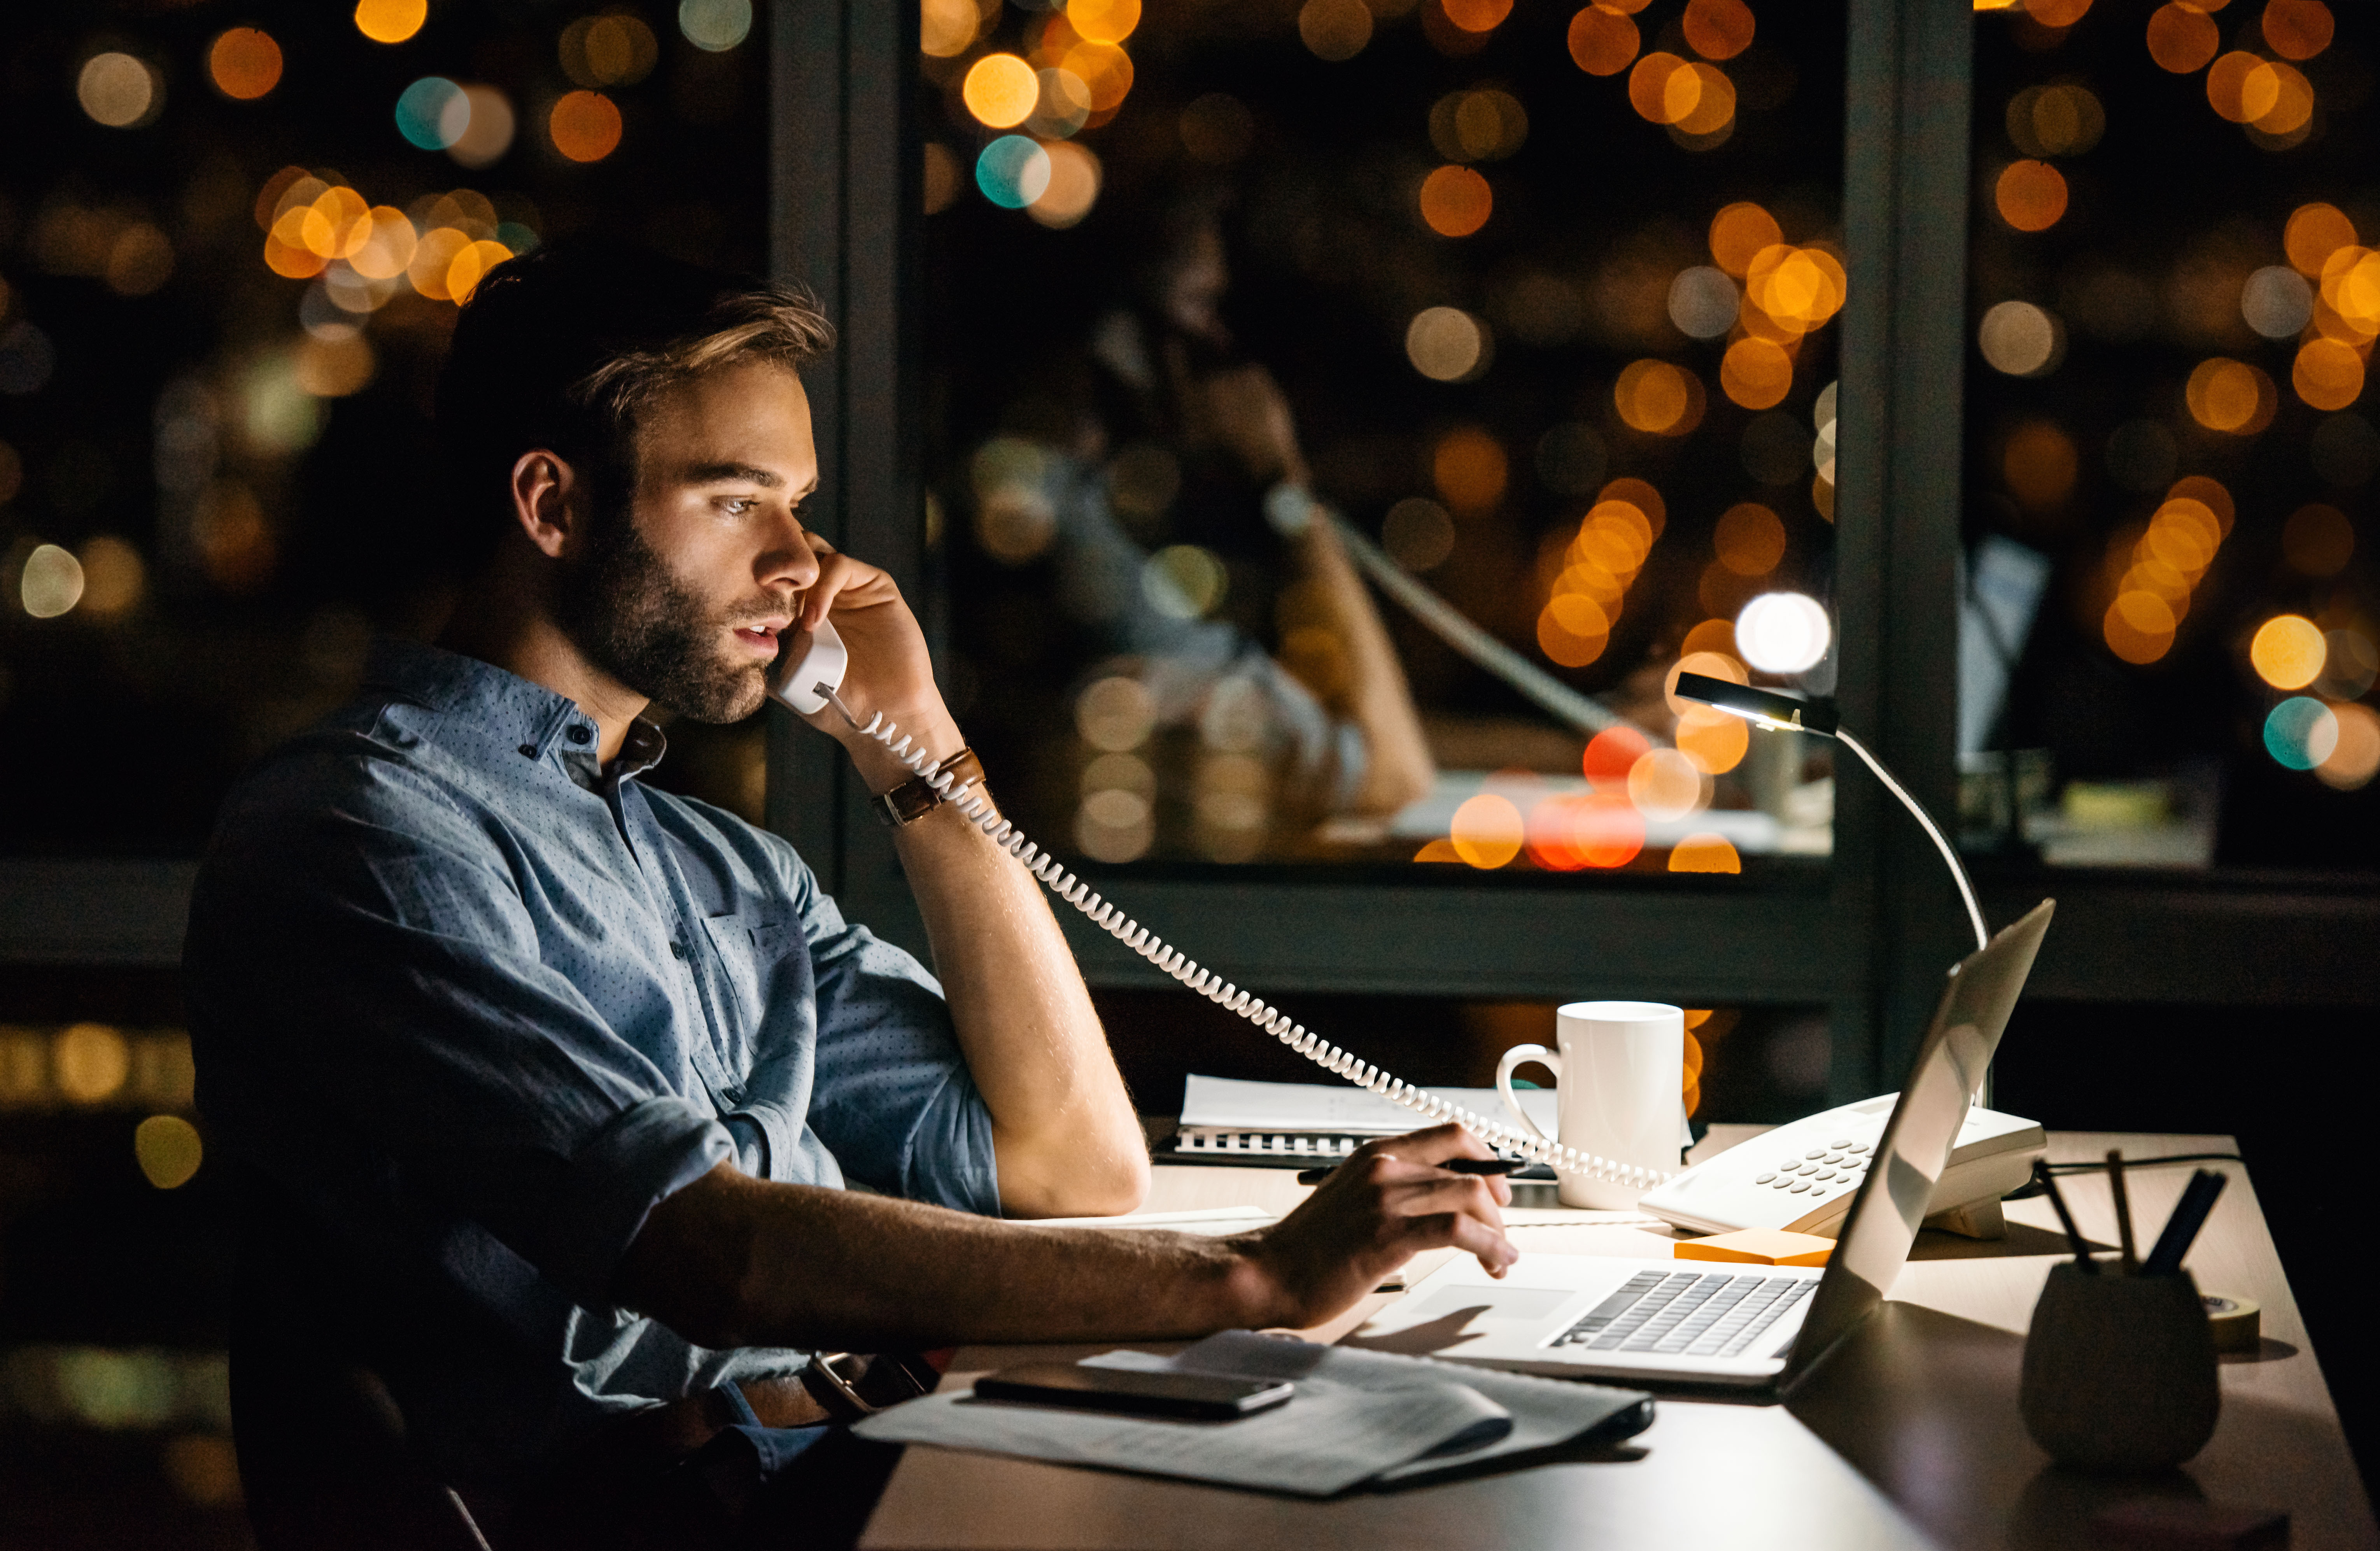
(916, 797)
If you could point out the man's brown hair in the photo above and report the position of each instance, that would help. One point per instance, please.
(566, 349)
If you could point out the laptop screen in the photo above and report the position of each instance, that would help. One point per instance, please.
(1920, 1137)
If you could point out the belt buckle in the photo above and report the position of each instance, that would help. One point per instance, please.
(836, 1379)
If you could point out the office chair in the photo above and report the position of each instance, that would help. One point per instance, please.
(322, 1456)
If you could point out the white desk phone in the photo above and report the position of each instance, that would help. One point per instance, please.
(1800, 1176)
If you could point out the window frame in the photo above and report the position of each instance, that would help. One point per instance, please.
(1869, 942)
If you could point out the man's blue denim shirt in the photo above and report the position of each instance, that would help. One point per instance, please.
(470, 1005)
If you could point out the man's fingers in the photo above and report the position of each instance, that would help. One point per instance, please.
(1458, 1230)
(1434, 1146)
(1444, 1193)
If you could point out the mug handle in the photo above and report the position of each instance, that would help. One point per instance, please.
(1521, 1056)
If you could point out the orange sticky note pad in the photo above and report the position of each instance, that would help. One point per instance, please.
(1759, 1246)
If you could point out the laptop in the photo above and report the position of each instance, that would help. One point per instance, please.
(1713, 1322)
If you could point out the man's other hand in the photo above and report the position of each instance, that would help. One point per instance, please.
(1387, 1202)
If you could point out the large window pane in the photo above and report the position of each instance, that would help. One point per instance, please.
(1540, 303)
(2171, 628)
(226, 279)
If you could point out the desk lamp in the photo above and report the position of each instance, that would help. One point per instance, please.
(1777, 713)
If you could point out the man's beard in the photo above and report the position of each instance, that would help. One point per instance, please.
(624, 606)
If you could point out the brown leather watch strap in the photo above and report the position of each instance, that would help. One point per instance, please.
(916, 797)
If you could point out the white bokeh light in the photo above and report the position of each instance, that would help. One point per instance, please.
(1783, 632)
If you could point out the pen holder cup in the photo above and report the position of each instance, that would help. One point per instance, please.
(2119, 1371)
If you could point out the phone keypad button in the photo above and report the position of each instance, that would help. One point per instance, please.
(1766, 1178)
(1801, 1185)
(1815, 1152)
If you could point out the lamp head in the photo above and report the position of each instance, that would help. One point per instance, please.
(1762, 708)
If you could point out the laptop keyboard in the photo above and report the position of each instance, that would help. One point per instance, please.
(1686, 1312)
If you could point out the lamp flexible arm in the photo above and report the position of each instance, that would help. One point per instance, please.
(1966, 890)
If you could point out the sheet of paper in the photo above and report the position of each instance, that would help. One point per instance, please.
(1235, 1104)
(1544, 1411)
(1329, 1438)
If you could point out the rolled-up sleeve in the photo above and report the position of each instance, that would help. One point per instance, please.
(385, 979)
(893, 1099)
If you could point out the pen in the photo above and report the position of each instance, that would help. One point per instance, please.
(2057, 1202)
(2197, 1200)
(1453, 1166)
(2123, 1209)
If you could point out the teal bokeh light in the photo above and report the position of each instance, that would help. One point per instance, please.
(432, 113)
(2300, 732)
(1012, 172)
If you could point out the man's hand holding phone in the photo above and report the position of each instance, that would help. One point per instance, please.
(890, 671)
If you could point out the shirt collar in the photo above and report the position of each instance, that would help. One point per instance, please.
(525, 717)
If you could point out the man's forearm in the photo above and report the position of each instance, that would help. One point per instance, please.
(1062, 1126)
(732, 1261)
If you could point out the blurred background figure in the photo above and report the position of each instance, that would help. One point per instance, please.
(1233, 681)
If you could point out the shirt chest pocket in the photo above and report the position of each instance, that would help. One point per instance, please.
(759, 957)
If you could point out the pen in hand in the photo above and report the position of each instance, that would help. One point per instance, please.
(1453, 1166)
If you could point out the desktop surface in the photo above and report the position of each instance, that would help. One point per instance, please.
(1909, 1437)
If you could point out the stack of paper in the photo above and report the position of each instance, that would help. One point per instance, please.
(1228, 1120)
(1357, 1416)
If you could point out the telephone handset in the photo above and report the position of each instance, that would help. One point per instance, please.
(816, 681)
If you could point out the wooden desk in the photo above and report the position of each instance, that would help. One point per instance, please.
(1908, 1437)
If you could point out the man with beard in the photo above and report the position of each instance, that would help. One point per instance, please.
(548, 1091)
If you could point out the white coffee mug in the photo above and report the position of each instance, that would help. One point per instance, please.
(1620, 1079)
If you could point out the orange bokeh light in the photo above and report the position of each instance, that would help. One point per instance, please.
(1456, 201)
(2057, 13)
(1664, 785)
(1103, 21)
(2292, 97)
(1488, 831)
(1718, 28)
(1713, 740)
(1657, 397)
(1608, 832)
(1641, 495)
(1469, 469)
(2355, 758)
(1663, 88)
(1706, 852)
(2030, 196)
(1750, 540)
(1714, 106)
(2183, 38)
(1611, 755)
(1756, 373)
(2287, 652)
(1603, 40)
(2298, 28)
(433, 260)
(244, 63)
(1001, 89)
(2314, 232)
(2209, 492)
(2230, 396)
(1738, 234)
(1477, 16)
(391, 21)
(585, 125)
(1711, 635)
(1573, 630)
(2240, 87)
(2327, 375)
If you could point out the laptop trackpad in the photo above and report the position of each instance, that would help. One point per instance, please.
(1529, 1303)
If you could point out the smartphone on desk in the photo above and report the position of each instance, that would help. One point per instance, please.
(1193, 1397)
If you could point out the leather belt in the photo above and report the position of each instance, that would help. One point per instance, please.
(835, 1388)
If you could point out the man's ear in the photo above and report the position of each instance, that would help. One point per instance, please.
(549, 502)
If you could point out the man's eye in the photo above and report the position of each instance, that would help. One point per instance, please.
(739, 505)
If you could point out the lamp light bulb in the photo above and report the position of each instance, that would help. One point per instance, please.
(1783, 632)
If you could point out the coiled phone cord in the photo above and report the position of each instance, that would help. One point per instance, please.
(970, 801)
